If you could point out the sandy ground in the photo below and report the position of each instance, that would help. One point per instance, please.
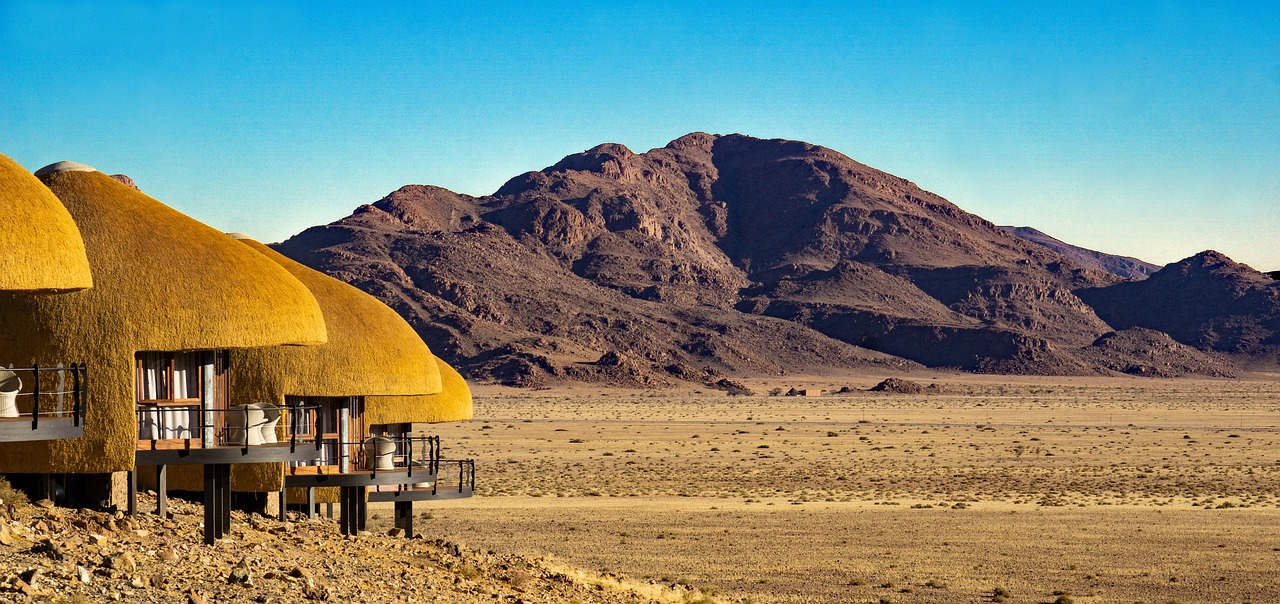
(1114, 490)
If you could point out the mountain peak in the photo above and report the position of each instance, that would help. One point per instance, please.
(693, 140)
(1215, 264)
(600, 158)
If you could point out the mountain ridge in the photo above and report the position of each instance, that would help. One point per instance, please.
(714, 255)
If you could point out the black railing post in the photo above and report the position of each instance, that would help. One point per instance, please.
(75, 393)
(35, 397)
(293, 427)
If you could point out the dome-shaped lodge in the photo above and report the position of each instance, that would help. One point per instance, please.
(171, 296)
(375, 376)
(40, 246)
(452, 404)
(371, 350)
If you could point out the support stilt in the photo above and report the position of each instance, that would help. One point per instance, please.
(345, 510)
(162, 490)
(404, 517)
(225, 509)
(133, 491)
(211, 500)
(362, 507)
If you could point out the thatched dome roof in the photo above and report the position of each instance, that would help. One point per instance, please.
(371, 349)
(451, 405)
(40, 246)
(162, 281)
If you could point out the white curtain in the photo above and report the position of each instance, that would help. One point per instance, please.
(156, 423)
(155, 375)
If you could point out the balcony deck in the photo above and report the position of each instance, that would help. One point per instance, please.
(315, 477)
(189, 452)
(22, 429)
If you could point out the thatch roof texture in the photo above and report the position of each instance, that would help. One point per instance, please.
(163, 282)
(452, 404)
(371, 349)
(40, 245)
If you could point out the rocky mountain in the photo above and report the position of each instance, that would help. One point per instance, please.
(1207, 301)
(713, 255)
(1124, 267)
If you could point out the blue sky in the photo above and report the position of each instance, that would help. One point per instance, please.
(1148, 129)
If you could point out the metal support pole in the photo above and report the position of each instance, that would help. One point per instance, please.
(311, 503)
(284, 504)
(162, 490)
(328, 510)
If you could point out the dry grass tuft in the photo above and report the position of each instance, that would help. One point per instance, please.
(12, 496)
(677, 593)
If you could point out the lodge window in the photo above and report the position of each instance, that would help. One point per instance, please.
(168, 387)
(323, 414)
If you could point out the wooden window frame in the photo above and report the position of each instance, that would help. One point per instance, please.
(221, 385)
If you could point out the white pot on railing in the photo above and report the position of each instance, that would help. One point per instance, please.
(271, 417)
(244, 424)
(379, 452)
(423, 467)
(10, 384)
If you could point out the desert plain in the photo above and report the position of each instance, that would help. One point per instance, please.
(982, 488)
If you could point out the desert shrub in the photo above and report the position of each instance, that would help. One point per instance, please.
(10, 495)
(467, 571)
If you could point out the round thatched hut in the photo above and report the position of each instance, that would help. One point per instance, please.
(40, 246)
(371, 350)
(171, 297)
(453, 403)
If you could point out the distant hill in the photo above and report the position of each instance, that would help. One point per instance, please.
(716, 255)
(1121, 266)
(1207, 301)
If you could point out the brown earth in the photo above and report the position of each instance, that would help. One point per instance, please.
(716, 255)
(1102, 489)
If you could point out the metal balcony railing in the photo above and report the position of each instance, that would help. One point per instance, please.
(240, 426)
(466, 475)
(44, 392)
(411, 454)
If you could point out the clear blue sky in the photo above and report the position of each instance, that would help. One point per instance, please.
(1150, 129)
